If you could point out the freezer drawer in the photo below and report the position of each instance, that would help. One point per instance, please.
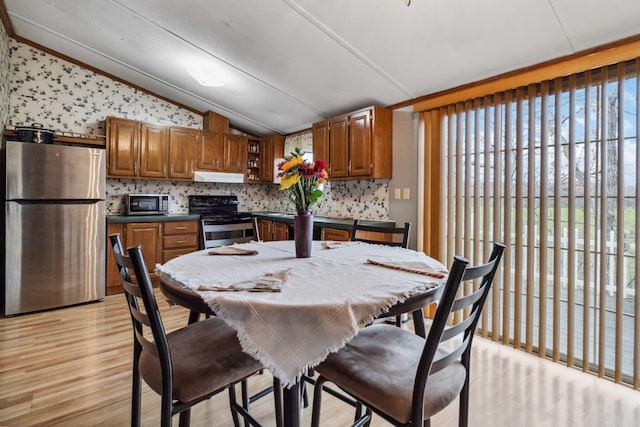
(54, 255)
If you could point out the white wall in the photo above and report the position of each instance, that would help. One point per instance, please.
(405, 171)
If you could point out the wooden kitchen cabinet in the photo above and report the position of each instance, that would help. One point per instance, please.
(235, 153)
(123, 147)
(182, 146)
(179, 238)
(161, 241)
(216, 152)
(210, 152)
(320, 133)
(112, 280)
(359, 144)
(149, 236)
(339, 147)
(136, 149)
(273, 230)
(154, 142)
(270, 148)
(335, 234)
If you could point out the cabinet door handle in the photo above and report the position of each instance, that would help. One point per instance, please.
(181, 228)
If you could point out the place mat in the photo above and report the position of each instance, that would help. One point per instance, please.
(231, 250)
(410, 266)
(270, 282)
(333, 244)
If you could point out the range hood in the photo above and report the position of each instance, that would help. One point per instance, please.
(200, 176)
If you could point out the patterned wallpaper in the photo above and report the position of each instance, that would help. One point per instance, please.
(4, 77)
(65, 97)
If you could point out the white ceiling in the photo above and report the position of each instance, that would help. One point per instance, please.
(288, 63)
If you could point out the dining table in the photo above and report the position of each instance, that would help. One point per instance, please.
(289, 312)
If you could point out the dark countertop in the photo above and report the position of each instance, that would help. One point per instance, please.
(322, 221)
(115, 219)
(318, 221)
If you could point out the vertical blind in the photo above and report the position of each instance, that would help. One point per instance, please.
(550, 169)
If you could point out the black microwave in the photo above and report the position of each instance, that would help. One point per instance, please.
(146, 204)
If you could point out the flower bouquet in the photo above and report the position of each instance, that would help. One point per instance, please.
(301, 180)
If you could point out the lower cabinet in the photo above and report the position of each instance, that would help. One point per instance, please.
(335, 234)
(112, 281)
(160, 241)
(180, 237)
(273, 230)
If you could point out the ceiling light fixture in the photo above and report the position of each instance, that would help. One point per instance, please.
(203, 76)
(408, 2)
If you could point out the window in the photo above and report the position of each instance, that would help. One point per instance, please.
(550, 169)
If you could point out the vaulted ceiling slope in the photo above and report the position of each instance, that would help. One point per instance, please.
(285, 64)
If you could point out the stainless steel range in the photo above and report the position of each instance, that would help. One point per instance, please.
(217, 209)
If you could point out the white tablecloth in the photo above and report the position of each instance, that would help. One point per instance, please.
(321, 306)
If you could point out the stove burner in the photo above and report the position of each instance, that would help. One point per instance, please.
(217, 209)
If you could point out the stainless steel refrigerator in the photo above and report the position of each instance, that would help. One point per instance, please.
(53, 226)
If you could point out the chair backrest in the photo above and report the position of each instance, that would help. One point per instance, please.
(214, 235)
(390, 236)
(447, 344)
(143, 307)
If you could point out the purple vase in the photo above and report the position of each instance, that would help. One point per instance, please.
(303, 233)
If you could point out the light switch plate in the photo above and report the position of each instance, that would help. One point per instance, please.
(396, 194)
(406, 194)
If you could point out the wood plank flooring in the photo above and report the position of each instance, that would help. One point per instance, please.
(71, 367)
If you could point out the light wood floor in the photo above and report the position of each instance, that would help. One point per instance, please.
(71, 367)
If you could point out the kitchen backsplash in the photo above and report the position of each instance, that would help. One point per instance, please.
(66, 97)
(366, 199)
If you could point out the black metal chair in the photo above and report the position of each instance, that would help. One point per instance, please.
(185, 366)
(403, 377)
(214, 235)
(391, 236)
(178, 295)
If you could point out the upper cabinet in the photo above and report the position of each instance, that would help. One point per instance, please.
(154, 154)
(270, 148)
(210, 152)
(235, 153)
(182, 145)
(143, 150)
(359, 144)
(320, 134)
(221, 152)
(136, 149)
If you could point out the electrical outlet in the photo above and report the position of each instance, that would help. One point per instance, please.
(406, 194)
(396, 194)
